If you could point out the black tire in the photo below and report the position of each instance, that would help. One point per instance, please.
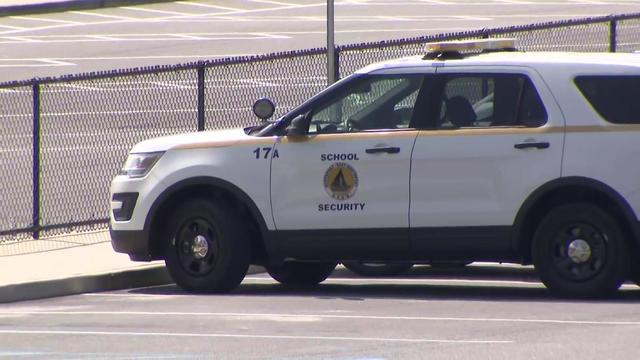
(579, 250)
(377, 269)
(295, 273)
(206, 246)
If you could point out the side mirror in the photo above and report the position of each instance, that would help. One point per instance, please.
(299, 126)
(264, 108)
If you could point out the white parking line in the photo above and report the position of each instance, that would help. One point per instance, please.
(436, 2)
(270, 36)
(12, 27)
(177, 86)
(247, 336)
(273, 2)
(56, 62)
(103, 15)
(190, 37)
(81, 58)
(209, 6)
(102, 37)
(36, 63)
(81, 87)
(155, 11)
(303, 317)
(259, 83)
(34, 18)
(19, 39)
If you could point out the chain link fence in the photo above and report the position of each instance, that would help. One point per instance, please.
(63, 139)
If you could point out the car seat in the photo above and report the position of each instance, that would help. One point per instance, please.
(460, 112)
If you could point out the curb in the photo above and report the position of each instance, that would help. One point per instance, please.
(122, 280)
(58, 6)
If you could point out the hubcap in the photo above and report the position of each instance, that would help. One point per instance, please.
(197, 247)
(579, 251)
(200, 247)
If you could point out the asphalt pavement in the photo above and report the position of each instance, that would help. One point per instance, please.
(483, 311)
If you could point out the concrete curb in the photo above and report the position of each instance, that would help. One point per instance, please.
(127, 279)
(57, 6)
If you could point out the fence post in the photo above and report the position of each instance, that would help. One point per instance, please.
(201, 70)
(613, 30)
(35, 215)
(336, 62)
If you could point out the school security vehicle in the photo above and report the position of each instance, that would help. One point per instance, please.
(473, 152)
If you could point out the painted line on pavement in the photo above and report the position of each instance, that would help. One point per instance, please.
(19, 39)
(34, 18)
(209, 6)
(7, 63)
(273, 2)
(155, 11)
(246, 336)
(86, 13)
(251, 11)
(12, 27)
(130, 57)
(268, 316)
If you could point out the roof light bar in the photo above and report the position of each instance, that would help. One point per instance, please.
(471, 45)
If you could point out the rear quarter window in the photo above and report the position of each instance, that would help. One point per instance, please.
(616, 98)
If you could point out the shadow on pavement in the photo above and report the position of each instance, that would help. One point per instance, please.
(358, 289)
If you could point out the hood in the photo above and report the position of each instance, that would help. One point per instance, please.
(203, 139)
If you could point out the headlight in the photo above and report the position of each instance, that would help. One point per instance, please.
(138, 165)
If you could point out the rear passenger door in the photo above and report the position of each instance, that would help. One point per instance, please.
(492, 139)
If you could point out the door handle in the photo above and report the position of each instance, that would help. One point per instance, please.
(536, 145)
(388, 150)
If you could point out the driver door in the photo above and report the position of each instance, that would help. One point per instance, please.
(342, 189)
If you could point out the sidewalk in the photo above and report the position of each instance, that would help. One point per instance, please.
(22, 7)
(64, 266)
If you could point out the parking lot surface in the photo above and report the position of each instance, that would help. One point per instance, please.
(484, 311)
(184, 31)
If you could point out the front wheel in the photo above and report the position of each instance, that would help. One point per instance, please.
(579, 250)
(296, 273)
(206, 247)
(377, 269)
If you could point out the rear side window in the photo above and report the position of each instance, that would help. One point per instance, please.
(486, 100)
(615, 98)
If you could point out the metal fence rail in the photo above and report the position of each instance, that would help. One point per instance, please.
(64, 138)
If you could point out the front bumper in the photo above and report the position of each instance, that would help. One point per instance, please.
(135, 243)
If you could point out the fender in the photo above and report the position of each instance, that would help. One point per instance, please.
(214, 182)
(619, 201)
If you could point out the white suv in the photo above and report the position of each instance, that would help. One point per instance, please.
(474, 152)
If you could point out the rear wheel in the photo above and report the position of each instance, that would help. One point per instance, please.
(206, 246)
(579, 250)
(298, 273)
(377, 269)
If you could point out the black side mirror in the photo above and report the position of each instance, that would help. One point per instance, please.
(264, 108)
(299, 126)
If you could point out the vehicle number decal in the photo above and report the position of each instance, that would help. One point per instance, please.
(263, 153)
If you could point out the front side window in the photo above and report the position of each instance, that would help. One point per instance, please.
(490, 100)
(375, 102)
(614, 97)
